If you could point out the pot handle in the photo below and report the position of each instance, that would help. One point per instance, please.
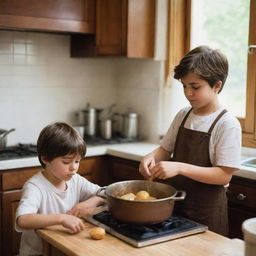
(98, 193)
(181, 197)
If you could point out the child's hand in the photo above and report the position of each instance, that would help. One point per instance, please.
(86, 208)
(81, 210)
(73, 223)
(165, 170)
(147, 163)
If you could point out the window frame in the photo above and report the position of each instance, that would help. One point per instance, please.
(179, 34)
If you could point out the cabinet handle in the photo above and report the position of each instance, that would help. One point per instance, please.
(250, 48)
(241, 197)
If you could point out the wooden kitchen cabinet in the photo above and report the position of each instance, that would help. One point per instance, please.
(123, 28)
(122, 169)
(11, 182)
(242, 204)
(10, 238)
(95, 169)
(58, 15)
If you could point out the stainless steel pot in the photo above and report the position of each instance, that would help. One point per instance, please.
(118, 124)
(141, 212)
(130, 125)
(106, 128)
(89, 118)
(3, 138)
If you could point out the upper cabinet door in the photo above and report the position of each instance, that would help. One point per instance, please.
(141, 28)
(123, 28)
(77, 16)
(111, 27)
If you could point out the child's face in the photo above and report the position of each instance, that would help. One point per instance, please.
(64, 167)
(199, 93)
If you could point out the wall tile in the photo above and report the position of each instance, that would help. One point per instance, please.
(6, 36)
(6, 48)
(19, 48)
(39, 81)
(6, 59)
(31, 49)
(19, 59)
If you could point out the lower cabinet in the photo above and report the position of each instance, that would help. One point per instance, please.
(95, 169)
(120, 169)
(241, 204)
(11, 182)
(10, 238)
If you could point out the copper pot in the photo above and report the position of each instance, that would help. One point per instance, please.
(141, 212)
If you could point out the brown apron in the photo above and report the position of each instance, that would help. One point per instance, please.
(204, 203)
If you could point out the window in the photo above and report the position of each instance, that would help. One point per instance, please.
(226, 29)
(229, 26)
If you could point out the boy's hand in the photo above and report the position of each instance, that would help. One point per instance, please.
(147, 163)
(165, 170)
(81, 210)
(86, 208)
(73, 223)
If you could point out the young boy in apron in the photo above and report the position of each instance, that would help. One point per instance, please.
(201, 149)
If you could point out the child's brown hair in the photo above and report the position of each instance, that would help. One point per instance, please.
(210, 65)
(59, 139)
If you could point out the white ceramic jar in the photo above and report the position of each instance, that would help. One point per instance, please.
(249, 230)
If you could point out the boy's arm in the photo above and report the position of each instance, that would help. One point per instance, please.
(35, 221)
(220, 175)
(86, 208)
(27, 216)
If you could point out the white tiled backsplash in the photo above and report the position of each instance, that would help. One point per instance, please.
(40, 83)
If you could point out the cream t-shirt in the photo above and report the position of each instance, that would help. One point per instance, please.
(225, 141)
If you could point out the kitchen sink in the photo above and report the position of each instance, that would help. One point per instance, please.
(250, 162)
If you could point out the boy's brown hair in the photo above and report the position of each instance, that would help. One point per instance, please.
(210, 65)
(59, 139)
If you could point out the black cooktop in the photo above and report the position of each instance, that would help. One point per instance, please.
(173, 225)
(18, 151)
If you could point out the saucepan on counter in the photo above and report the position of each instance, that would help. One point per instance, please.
(143, 212)
(3, 137)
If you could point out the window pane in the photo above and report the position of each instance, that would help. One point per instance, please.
(224, 25)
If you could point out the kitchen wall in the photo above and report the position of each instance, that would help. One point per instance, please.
(40, 83)
(139, 83)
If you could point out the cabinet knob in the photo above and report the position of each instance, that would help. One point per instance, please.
(241, 197)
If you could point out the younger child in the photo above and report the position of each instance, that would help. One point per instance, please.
(57, 195)
(201, 149)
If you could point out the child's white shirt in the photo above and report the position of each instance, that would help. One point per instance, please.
(41, 197)
(225, 141)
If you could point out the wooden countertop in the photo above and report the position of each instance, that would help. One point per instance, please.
(57, 241)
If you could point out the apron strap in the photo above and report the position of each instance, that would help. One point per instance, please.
(185, 118)
(216, 120)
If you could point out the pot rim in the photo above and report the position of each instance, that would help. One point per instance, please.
(173, 197)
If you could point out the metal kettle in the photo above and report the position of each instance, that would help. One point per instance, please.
(3, 138)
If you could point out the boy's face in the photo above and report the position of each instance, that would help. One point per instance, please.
(199, 93)
(64, 167)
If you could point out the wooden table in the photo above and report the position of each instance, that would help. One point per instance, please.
(58, 242)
